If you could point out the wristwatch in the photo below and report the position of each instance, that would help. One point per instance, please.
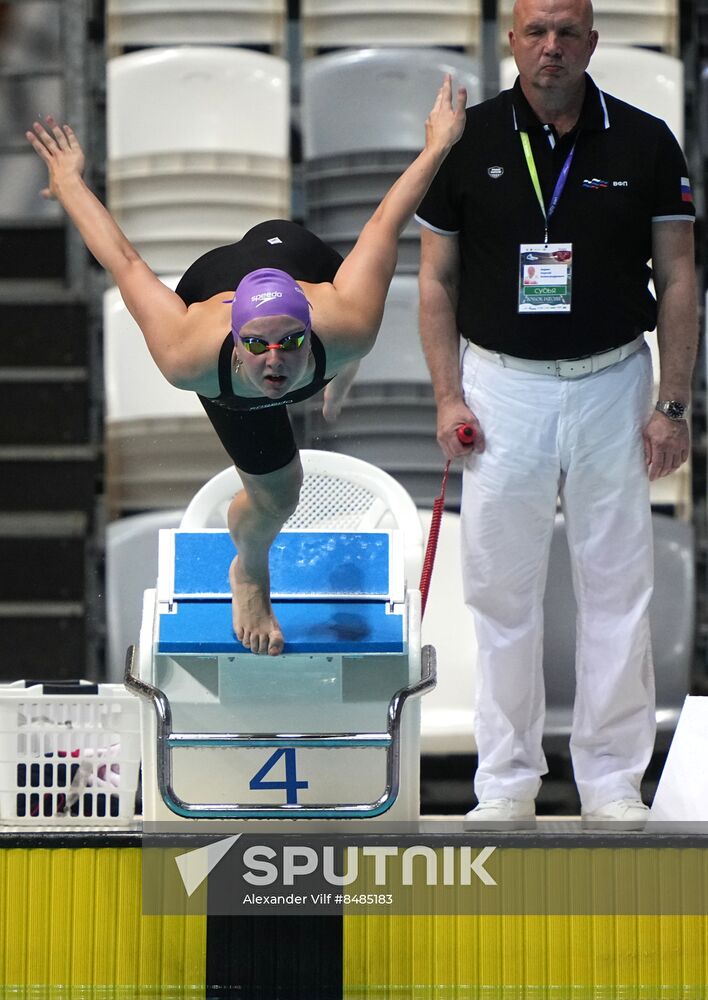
(674, 409)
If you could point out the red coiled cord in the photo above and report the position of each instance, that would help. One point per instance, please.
(466, 435)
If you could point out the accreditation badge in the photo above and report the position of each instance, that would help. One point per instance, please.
(545, 277)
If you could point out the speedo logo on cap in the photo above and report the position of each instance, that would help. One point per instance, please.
(265, 297)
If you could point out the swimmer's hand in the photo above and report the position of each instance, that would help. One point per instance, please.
(337, 391)
(61, 151)
(331, 408)
(446, 121)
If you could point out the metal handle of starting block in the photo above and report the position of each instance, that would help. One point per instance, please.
(167, 741)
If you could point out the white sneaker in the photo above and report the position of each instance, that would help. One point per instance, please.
(622, 814)
(502, 814)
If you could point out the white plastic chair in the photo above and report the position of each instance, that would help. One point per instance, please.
(30, 37)
(131, 568)
(134, 387)
(639, 22)
(397, 355)
(352, 158)
(206, 158)
(331, 23)
(651, 23)
(376, 99)
(652, 81)
(339, 493)
(160, 444)
(176, 22)
(409, 455)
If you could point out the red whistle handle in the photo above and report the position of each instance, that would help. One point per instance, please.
(466, 434)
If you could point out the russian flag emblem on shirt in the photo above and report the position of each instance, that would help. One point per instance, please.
(686, 194)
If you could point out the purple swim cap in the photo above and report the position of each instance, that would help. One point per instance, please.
(268, 292)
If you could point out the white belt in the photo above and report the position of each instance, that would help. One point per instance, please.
(566, 367)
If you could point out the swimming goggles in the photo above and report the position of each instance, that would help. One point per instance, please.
(256, 345)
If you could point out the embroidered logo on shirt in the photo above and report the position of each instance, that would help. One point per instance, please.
(495, 172)
(595, 184)
(686, 193)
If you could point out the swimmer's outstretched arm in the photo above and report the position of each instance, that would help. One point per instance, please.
(158, 311)
(360, 286)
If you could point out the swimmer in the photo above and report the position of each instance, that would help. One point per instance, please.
(254, 326)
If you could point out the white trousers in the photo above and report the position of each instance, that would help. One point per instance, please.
(580, 440)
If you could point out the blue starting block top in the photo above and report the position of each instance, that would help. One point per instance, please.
(317, 627)
(303, 564)
(332, 592)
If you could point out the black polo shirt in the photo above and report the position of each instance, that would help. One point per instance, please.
(627, 171)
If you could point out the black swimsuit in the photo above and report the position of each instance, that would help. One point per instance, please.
(256, 432)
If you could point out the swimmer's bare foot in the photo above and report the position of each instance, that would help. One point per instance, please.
(255, 625)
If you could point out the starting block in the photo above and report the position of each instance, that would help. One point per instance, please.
(318, 732)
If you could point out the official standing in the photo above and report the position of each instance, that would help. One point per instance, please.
(537, 236)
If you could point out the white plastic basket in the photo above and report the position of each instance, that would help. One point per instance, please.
(69, 754)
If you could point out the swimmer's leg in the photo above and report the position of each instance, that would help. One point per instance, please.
(256, 515)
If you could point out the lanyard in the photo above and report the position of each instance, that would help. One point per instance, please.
(560, 183)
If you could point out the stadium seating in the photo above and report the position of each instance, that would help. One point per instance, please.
(330, 24)
(160, 444)
(206, 157)
(131, 23)
(351, 158)
(652, 23)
